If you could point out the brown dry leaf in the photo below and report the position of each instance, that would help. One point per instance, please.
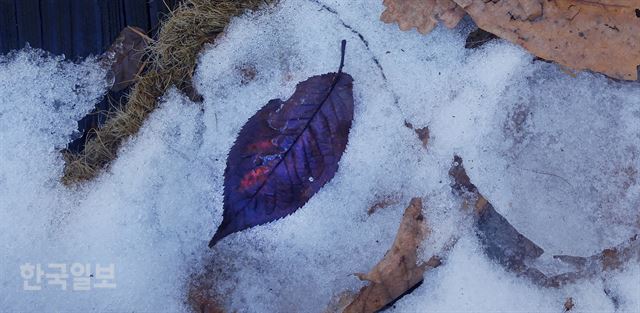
(399, 270)
(501, 241)
(127, 54)
(506, 246)
(597, 35)
(421, 14)
(609, 259)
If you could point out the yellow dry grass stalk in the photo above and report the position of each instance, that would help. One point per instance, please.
(171, 62)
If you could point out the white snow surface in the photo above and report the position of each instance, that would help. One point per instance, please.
(557, 155)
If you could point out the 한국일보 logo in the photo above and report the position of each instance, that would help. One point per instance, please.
(74, 276)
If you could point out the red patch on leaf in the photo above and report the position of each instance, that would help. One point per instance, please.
(264, 145)
(254, 178)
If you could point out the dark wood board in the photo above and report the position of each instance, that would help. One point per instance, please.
(75, 28)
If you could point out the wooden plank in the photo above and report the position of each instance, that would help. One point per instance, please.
(56, 26)
(116, 20)
(111, 21)
(29, 23)
(8, 25)
(76, 28)
(86, 27)
(136, 14)
(152, 8)
(104, 35)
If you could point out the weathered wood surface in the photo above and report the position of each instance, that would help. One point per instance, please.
(75, 28)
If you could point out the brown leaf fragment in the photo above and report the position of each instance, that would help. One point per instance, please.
(125, 61)
(126, 57)
(422, 14)
(461, 181)
(609, 259)
(398, 271)
(568, 305)
(422, 133)
(381, 203)
(478, 37)
(597, 35)
(501, 241)
(506, 246)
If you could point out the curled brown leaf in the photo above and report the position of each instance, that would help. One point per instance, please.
(506, 246)
(597, 35)
(126, 56)
(398, 271)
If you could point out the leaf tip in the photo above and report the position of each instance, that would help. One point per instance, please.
(220, 233)
(213, 241)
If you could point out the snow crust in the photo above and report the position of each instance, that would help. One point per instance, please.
(557, 155)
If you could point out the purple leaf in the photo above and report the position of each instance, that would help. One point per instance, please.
(286, 152)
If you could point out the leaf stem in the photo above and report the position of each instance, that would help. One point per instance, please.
(343, 46)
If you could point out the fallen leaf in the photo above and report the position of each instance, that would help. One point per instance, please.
(126, 56)
(609, 259)
(501, 241)
(286, 152)
(421, 14)
(506, 246)
(125, 61)
(398, 271)
(597, 35)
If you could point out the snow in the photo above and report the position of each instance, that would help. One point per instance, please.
(127, 218)
(557, 155)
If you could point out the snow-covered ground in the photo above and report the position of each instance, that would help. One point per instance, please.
(557, 155)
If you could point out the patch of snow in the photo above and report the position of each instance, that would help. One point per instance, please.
(147, 216)
(558, 156)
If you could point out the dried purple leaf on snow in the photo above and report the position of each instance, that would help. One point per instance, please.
(286, 152)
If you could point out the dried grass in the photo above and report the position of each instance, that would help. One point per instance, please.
(171, 62)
